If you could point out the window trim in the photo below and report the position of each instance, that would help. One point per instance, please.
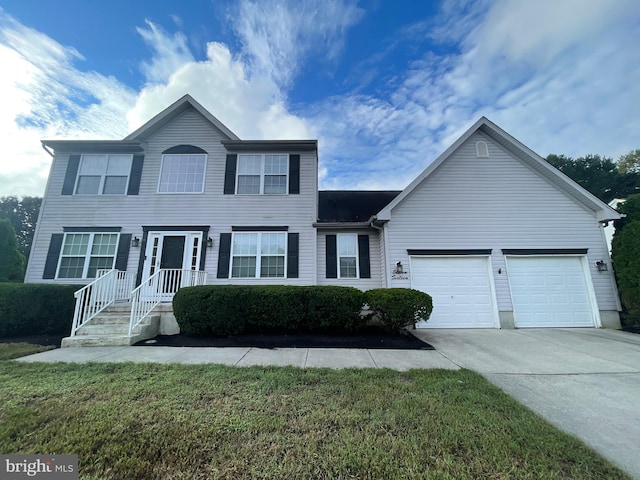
(356, 256)
(204, 174)
(262, 173)
(103, 176)
(87, 255)
(259, 253)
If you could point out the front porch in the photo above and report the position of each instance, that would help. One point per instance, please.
(109, 312)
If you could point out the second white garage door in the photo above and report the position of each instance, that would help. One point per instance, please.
(549, 292)
(460, 288)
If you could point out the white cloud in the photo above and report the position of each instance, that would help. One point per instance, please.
(250, 105)
(559, 78)
(44, 96)
(169, 52)
(280, 36)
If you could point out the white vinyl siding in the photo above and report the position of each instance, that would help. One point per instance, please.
(103, 175)
(83, 254)
(262, 174)
(495, 203)
(211, 208)
(183, 173)
(258, 255)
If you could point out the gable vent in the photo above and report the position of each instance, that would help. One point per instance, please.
(482, 150)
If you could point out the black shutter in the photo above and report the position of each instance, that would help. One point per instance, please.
(51, 264)
(224, 255)
(332, 256)
(294, 173)
(122, 257)
(364, 261)
(230, 175)
(136, 174)
(70, 176)
(293, 249)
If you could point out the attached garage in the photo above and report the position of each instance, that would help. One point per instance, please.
(461, 288)
(550, 291)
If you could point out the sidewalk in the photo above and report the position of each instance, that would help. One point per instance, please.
(248, 356)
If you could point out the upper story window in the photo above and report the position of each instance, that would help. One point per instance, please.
(103, 174)
(262, 174)
(182, 173)
(83, 254)
(258, 255)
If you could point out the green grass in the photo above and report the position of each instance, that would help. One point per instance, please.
(15, 350)
(148, 421)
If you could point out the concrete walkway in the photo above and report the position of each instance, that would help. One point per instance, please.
(248, 356)
(584, 381)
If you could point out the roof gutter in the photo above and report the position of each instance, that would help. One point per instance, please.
(44, 146)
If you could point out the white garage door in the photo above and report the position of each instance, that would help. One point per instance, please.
(460, 288)
(549, 292)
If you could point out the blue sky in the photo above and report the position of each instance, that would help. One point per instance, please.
(385, 86)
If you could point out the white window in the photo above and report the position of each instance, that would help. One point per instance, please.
(258, 255)
(83, 254)
(348, 256)
(182, 173)
(103, 174)
(262, 174)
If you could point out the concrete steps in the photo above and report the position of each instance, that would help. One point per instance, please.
(111, 328)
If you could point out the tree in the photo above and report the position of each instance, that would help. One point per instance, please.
(625, 254)
(11, 260)
(23, 215)
(629, 162)
(599, 175)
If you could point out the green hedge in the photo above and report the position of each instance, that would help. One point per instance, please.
(625, 253)
(35, 309)
(398, 308)
(234, 309)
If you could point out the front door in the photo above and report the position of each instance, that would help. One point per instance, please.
(171, 252)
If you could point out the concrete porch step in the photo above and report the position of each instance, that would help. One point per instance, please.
(112, 329)
(102, 340)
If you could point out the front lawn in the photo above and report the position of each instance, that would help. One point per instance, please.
(146, 421)
(20, 349)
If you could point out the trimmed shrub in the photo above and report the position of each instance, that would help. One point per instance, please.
(233, 309)
(398, 308)
(333, 308)
(625, 254)
(36, 309)
(210, 310)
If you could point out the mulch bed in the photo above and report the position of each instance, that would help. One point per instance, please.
(371, 338)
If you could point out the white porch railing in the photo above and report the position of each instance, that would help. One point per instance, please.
(110, 286)
(160, 287)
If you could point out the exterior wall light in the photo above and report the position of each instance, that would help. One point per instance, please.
(602, 266)
(135, 242)
(209, 242)
(399, 268)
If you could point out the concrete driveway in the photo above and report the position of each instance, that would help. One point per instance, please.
(584, 381)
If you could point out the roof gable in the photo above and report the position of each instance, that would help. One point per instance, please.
(171, 112)
(522, 152)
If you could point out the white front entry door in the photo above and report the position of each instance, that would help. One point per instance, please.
(461, 289)
(170, 251)
(550, 291)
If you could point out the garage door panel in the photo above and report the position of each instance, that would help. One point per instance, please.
(460, 288)
(549, 292)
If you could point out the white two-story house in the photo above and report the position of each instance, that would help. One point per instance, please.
(495, 234)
